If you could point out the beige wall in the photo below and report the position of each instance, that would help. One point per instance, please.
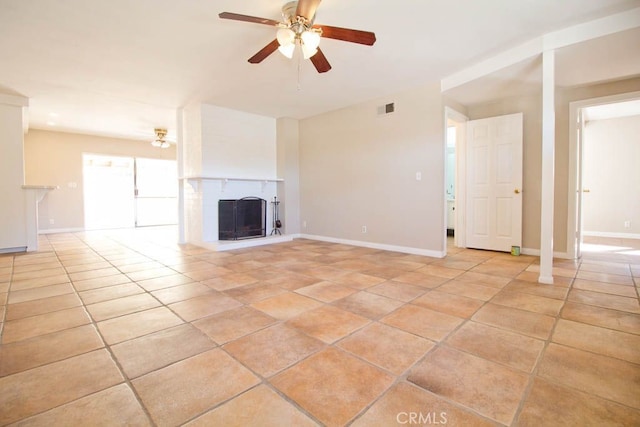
(358, 168)
(288, 169)
(611, 173)
(531, 106)
(55, 158)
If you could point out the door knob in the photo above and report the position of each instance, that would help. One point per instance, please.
(517, 191)
(586, 190)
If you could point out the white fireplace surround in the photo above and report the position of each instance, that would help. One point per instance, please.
(201, 218)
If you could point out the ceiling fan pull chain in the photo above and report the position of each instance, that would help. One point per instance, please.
(299, 70)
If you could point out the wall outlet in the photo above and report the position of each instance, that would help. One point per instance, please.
(304, 224)
(52, 221)
(627, 224)
(364, 228)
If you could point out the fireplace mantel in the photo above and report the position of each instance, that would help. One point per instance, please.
(194, 181)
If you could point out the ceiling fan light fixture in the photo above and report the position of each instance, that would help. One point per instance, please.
(287, 50)
(286, 36)
(311, 39)
(160, 141)
(307, 52)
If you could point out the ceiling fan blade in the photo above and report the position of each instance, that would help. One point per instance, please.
(247, 18)
(264, 52)
(347, 35)
(320, 62)
(307, 8)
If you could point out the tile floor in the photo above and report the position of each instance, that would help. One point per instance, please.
(126, 328)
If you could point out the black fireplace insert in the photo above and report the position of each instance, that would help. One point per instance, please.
(244, 218)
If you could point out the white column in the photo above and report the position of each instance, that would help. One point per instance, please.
(548, 159)
(13, 223)
(181, 183)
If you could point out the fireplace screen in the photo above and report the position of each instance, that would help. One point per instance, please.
(244, 218)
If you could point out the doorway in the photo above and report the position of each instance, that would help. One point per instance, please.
(125, 192)
(603, 214)
(454, 144)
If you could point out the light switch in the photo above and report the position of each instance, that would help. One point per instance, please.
(418, 176)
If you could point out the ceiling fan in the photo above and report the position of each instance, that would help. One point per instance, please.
(298, 29)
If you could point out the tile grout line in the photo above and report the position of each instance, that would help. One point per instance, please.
(107, 347)
(533, 375)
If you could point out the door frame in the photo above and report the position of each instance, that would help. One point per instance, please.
(574, 202)
(459, 236)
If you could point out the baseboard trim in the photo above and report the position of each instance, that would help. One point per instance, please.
(536, 252)
(372, 245)
(229, 245)
(61, 230)
(610, 234)
(13, 250)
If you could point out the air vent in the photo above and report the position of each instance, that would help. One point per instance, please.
(386, 109)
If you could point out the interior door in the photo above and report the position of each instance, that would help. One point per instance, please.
(494, 183)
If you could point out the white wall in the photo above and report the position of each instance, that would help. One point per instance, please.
(611, 173)
(358, 168)
(222, 143)
(237, 144)
(288, 155)
(13, 232)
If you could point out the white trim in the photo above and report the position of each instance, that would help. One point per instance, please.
(381, 246)
(180, 170)
(229, 245)
(593, 29)
(14, 100)
(61, 230)
(491, 65)
(536, 252)
(572, 35)
(548, 166)
(574, 162)
(611, 234)
(460, 178)
(13, 250)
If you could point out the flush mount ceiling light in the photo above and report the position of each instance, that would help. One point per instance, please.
(298, 29)
(159, 141)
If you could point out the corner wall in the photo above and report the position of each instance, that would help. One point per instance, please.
(358, 168)
(13, 226)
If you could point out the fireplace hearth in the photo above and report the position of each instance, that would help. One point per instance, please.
(244, 218)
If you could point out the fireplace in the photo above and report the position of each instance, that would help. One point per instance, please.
(244, 218)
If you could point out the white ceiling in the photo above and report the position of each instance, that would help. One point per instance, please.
(122, 67)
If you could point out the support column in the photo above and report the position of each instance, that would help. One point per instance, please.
(13, 223)
(548, 159)
(180, 162)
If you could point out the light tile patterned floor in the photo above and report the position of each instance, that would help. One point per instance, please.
(125, 327)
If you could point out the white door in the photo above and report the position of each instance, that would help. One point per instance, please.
(494, 183)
